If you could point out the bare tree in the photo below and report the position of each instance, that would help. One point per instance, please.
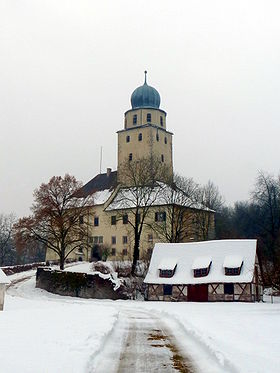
(58, 220)
(140, 193)
(266, 200)
(6, 227)
(209, 201)
(178, 198)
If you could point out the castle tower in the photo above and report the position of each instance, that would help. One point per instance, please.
(144, 134)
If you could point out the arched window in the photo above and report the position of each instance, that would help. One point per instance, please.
(135, 119)
(127, 138)
(140, 137)
(130, 157)
(165, 140)
(157, 137)
(149, 117)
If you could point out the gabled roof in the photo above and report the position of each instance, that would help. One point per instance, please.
(3, 278)
(161, 195)
(100, 187)
(186, 254)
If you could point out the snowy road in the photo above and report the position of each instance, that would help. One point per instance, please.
(146, 346)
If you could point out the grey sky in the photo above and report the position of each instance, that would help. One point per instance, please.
(68, 68)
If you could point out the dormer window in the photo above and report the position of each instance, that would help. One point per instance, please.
(135, 119)
(201, 266)
(167, 273)
(233, 265)
(149, 117)
(167, 267)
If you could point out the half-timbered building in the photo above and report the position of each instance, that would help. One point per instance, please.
(221, 270)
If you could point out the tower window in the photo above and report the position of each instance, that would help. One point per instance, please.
(165, 140)
(161, 121)
(127, 138)
(149, 117)
(135, 119)
(96, 221)
(157, 137)
(130, 157)
(162, 158)
(140, 137)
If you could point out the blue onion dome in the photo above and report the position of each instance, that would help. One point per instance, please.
(145, 96)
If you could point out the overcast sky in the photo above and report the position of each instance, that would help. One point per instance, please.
(68, 68)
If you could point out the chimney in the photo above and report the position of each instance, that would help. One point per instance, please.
(109, 172)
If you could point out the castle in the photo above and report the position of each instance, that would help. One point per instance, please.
(110, 218)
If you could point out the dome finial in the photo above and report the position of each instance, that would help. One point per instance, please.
(145, 72)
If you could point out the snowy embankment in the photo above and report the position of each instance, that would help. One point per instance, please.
(41, 332)
(242, 337)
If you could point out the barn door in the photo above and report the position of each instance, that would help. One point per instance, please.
(198, 293)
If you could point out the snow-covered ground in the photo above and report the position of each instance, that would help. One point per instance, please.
(43, 332)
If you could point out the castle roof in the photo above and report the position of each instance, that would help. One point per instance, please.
(145, 96)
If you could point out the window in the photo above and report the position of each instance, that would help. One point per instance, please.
(100, 239)
(150, 237)
(138, 218)
(80, 249)
(165, 140)
(161, 121)
(96, 221)
(135, 119)
(90, 239)
(113, 220)
(95, 239)
(124, 252)
(125, 219)
(234, 271)
(157, 137)
(160, 216)
(167, 289)
(140, 137)
(113, 252)
(201, 272)
(130, 157)
(114, 240)
(167, 273)
(81, 220)
(149, 117)
(127, 138)
(162, 158)
(228, 289)
(124, 240)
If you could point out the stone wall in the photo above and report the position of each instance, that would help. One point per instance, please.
(78, 284)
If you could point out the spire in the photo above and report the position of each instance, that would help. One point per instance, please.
(145, 72)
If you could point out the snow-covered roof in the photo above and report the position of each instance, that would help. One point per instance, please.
(3, 278)
(233, 261)
(167, 263)
(188, 254)
(161, 195)
(100, 197)
(201, 262)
